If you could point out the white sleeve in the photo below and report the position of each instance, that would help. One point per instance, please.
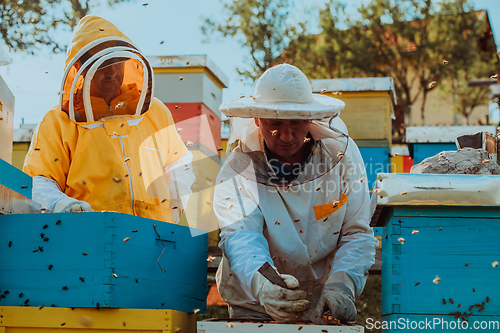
(47, 192)
(180, 180)
(242, 224)
(357, 245)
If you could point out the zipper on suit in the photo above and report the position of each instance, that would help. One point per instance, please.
(129, 176)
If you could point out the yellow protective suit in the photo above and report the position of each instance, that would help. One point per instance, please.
(118, 162)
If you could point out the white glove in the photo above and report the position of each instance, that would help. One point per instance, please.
(338, 301)
(284, 305)
(71, 205)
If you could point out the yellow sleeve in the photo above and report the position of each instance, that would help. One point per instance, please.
(169, 141)
(51, 147)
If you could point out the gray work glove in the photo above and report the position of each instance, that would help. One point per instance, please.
(339, 302)
(284, 305)
(71, 205)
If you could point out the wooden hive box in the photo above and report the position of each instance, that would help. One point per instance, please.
(440, 249)
(35, 320)
(83, 260)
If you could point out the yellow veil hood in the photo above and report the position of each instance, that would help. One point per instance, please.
(97, 42)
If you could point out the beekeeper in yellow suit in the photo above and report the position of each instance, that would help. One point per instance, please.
(294, 194)
(109, 145)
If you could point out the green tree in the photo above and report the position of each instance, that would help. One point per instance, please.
(422, 44)
(261, 26)
(25, 25)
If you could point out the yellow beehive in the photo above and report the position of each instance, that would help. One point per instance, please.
(15, 319)
(369, 105)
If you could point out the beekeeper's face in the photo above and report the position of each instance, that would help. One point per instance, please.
(107, 81)
(286, 138)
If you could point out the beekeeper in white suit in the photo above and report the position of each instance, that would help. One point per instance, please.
(293, 193)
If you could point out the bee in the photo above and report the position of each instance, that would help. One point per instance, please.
(42, 235)
(45, 226)
(82, 279)
(473, 290)
(340, 154)
(117, 179)
(181, 78)
(297, 220)
(41, 307)
(260, 325)
(471, 307)
(40, 248)
(50, 267)
(134, 230)
(404, 193)
(300, 230)
(444, 301)
(10, 244)
(195, 311)
(136, 281)
(336, 232)
(436, 279)
(230, 325)
(416, 284)
(65, 288)
(26, 302)
(58, 222)
(46, 239)
(97, 306)
(414, 232)
(276, 223)
(307, 139)
(115, 276)
(466, 265)
(37, 149)
(432, 84)
(56, 159)
(402, 240)
(85, 254)
(35, 250)
(486, 161)
(274, 132)
(177, 107)
(451, 301)
(24, 186)
(211, 258)
(20, 295)
(445, 62)
(126, 239)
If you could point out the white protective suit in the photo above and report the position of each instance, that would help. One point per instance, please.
(312, 229)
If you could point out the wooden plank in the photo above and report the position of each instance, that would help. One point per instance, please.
(12, 202)
(233, 327)
(91, 320)
(15, 179)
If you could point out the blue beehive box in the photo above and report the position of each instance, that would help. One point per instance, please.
(101, 259)
(376, 160)
(440, 250)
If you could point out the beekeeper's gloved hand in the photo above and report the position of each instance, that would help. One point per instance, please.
(282, 304)
(71, 205)
(337, 298)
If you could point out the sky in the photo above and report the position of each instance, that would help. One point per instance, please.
(36, 80)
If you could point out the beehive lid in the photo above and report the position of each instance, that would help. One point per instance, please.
(442, 134)
(356, 85)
